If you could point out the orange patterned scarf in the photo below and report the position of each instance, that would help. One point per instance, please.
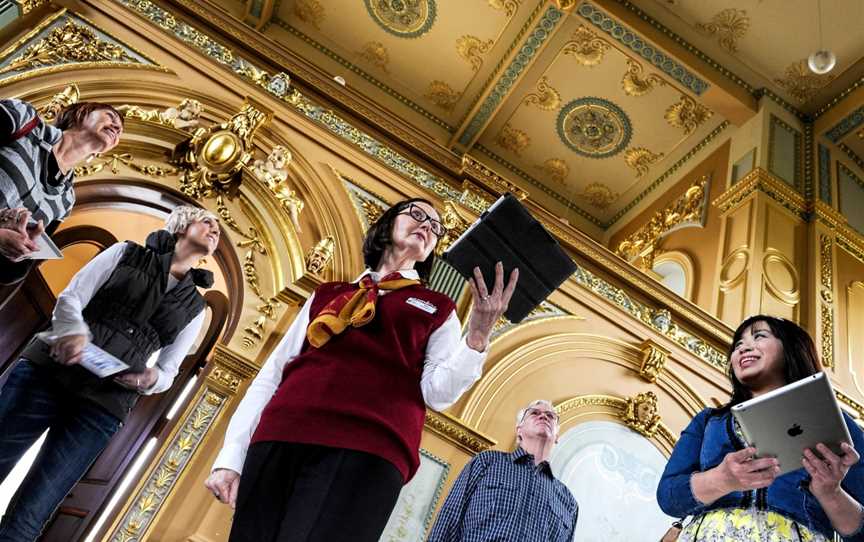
(355, 308)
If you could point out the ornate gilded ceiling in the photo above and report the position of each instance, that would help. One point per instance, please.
(592, 106)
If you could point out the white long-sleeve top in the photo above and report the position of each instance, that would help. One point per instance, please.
(449, 369)
(68, 317)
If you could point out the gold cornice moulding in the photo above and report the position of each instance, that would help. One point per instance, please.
(456, 432)
(233, 361)
(761, 180)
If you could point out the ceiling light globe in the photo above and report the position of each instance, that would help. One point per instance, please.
(821, 61)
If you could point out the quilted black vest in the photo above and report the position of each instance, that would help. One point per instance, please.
(131, 316)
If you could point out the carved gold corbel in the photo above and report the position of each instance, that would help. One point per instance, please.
(654, 358)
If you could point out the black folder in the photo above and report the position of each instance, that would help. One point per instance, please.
(508, 233)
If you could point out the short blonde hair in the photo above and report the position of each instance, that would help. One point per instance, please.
(182, 216)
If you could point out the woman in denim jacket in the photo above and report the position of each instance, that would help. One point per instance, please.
(715, 478)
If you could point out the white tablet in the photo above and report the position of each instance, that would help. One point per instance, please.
(783, 422)
(100, 362)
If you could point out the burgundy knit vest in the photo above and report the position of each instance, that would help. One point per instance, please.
(361, 390)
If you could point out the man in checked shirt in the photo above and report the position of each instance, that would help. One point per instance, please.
(511, 497)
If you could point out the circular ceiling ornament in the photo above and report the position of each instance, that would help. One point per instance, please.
(403, 18)
(594, 127)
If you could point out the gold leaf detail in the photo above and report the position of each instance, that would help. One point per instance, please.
(635, 84)
(512, 139)
(472, 49)
(599, 195)
(321, 254)
(641, 414)
(640, 159)
(586, 47)
(68, 44)
(688, 209)
(729, 26)
(546, 97)
(801, 83)
(556, 169)
(442, 95)
(687, 114)
(509, 6)
(310, 12)
(376, 54)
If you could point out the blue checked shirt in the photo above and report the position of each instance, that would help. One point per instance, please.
(501, 497)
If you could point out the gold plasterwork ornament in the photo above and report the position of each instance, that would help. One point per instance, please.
(490, 179)
(636, 83)
(801, 83)
(29, 5)
(375, 54)
(213, 158)
(545, 98)
(273, 172)
(641, 159)
(310, 12)
(457, 432)
(442, 95)
(641, 414)
(653, 359)
(321, 255)
(599, 195)
(687, 114)
(586, 47)
(512, 139)
(113, 162)
(687, 210)
(184, 116)
(63, 99)
(455, 223)
(70, 43)
(472, 49)
(556, 169)
(728, 26)
(508, 6)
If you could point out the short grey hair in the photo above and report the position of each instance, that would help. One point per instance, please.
(182, 216)
(521, 415)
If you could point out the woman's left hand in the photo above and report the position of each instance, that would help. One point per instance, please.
(488, 308)
(826, 474)
(138, 381)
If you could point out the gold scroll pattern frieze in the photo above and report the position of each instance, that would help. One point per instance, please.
(456, 432)
(687, 210)
(636, 83)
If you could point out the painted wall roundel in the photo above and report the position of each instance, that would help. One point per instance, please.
(594, 127)
(403, 18)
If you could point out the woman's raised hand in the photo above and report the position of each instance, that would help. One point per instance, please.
(488, 307)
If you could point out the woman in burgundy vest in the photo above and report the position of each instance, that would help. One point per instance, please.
(329, 430)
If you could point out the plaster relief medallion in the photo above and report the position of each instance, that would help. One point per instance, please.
(801, 83)
(687, 114)
(594, 127)
(599, 195)
(376, 54)
(442, 95)
(729, 26)
(403, 18)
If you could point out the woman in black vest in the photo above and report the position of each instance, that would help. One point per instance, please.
(130, 302)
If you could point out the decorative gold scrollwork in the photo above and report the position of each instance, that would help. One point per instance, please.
(456, 225)
(114, 161)
(640, 159)
(586, 47)
(687, 114)
(66, 97)
(635, 84)
(689, 209)
(641, 414)
(472, 49)
(183, 117)
(546, 98)
(512, 139)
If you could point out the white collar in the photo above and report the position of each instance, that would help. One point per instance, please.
(410, 274)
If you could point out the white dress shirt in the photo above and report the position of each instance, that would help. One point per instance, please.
(449, 369)
(68, 318)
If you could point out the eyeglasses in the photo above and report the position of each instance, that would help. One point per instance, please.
(535, 412)
(418, 214)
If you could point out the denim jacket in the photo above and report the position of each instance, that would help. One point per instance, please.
(704, 444)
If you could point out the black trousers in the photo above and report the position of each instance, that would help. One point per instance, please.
(306, 493)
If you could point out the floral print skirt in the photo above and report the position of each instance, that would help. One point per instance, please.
(746, 525)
